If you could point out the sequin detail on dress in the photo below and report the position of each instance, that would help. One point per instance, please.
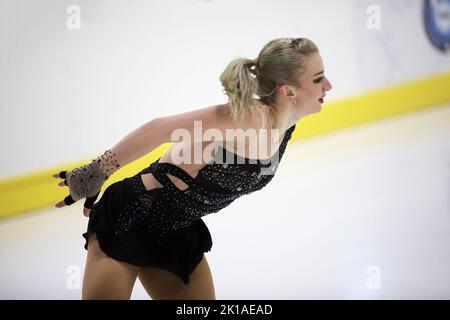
(217, 185)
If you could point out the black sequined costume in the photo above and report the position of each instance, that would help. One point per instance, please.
(162, 227)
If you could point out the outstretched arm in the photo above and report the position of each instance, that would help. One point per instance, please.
(86, 181)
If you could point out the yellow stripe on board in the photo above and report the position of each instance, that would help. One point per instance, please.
(33, 191)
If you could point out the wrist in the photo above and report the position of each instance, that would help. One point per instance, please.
(108, 163)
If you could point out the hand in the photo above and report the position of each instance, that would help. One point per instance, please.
(87, 180)
(89, 202)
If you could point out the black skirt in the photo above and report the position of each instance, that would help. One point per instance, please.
(179, 254)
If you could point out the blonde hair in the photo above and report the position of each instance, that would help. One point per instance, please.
(281, 61)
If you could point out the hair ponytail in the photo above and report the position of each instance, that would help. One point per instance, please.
(240, 85)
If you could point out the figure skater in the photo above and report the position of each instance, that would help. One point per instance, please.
(149, 225)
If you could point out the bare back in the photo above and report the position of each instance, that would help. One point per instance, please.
(266, 140)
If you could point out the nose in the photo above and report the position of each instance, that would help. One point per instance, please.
(328, 85)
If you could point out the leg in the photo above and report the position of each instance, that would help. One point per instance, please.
(161, 284)
(106, 278)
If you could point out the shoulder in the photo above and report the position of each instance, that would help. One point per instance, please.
(217, 117)
(194, 123)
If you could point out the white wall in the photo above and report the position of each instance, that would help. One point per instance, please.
(69, 94)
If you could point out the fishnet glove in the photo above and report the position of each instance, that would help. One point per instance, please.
(87, 180)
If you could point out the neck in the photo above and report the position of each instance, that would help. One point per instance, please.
(282, 116)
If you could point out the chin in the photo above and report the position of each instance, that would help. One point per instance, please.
(313, 108)
(313, 111)
(318, 108)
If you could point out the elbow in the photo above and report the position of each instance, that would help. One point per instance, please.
(164, 129)
(157, 129)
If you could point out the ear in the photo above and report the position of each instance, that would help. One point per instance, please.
(287, 91)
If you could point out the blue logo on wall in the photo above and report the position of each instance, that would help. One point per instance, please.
(437, 23)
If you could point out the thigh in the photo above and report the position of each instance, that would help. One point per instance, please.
(162, 284)
(105, 277)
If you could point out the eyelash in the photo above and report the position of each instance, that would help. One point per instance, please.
(318, 80)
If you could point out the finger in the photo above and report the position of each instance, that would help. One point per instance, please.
(89, 202)
(86, 212)
(61, 175)
(69, 200)
(60, 204)
(63, 183)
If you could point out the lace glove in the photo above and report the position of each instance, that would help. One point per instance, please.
(87, 180)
